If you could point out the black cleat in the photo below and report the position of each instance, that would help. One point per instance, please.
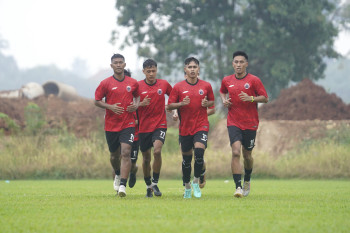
(149, 192)
(132, 180)
(156, 191)
(132, 177)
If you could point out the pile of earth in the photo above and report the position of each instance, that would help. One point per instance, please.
(305, 101)
(80, 116)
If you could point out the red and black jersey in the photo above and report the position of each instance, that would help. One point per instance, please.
(153, 116)
(193, 117)
(243, 115)
(115, 91)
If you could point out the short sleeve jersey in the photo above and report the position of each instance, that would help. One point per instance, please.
(153, 116)
(193, 117)
(115, 91)
(243, 115)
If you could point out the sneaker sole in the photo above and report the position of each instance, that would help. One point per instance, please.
(121, 194)
(238, 195)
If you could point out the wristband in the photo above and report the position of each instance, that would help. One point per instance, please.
(252, 99)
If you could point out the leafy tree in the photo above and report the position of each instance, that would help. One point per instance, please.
(285, 40)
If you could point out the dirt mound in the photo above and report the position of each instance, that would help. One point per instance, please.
(305, 101)
(80, 117)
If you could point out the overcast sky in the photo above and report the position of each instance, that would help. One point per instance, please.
(42, 32)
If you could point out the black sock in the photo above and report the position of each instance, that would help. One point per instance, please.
(198, 161)
(147, 180)
(186, 168)
(117, 172)
(155, 177)
(237, 178)
(247, 174)
(123, 181)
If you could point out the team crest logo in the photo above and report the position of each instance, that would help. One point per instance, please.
(128, 88)
(159, 91)
(246, 86)
(201, 92)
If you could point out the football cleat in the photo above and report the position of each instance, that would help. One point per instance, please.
(188, 193)
(239, 192)
(116, 183)
(156, 191)
(196, 191)
(132, 178)
(121, 191)
(246, 188)
(149, 192)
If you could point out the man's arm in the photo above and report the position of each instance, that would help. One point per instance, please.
(113, 107)
(184, 102)
(226, 102)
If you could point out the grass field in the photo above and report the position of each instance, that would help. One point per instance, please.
(91, 206)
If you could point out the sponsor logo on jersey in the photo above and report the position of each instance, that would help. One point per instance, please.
(231, 85)
(185, 92)
(201, 92)
(159, 91)
(246, 86)
(128, 88)
(144, 92)
(114, 88)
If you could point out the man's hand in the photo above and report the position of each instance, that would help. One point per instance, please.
(116, 109)
(132, 107)
(245, 97)
(175, 116)
(186, 101)
(146, 101)
(227, 102)
(205, 102)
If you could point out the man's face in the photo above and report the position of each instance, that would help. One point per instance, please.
(150, 73)
(192, 70)
(240, 64)
(118, 65)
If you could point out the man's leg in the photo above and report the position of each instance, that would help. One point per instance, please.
(115, 162)
(202, 180)
(248, 168)
(186, 172)
(134, 168)
(199, 149)
(157, 164)
(146, 167)
(125, 167)
(236, 167)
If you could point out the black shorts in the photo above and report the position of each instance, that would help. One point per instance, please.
(147, 139)
(187, 142)
(246, 137)
(115, 138)
(135, 151)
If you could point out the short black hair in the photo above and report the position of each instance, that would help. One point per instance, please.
(149, 63)
(127, 72)
(240, 53)
(188, 60)
(117, 55)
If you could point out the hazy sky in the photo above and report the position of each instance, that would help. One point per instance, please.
(42, 32)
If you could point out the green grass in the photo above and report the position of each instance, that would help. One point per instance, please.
(91, 206)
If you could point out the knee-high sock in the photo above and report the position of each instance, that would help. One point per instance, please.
(198, 161)
(186, 168)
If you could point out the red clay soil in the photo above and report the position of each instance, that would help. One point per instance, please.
(305, 101)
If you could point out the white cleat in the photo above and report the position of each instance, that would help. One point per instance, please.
(121, 191)
(116, 183)
(239, 192)
(246, 188)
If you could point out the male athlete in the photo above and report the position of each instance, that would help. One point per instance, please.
(152, 124)
(191, 98)
(121, 100)
(240, 93)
